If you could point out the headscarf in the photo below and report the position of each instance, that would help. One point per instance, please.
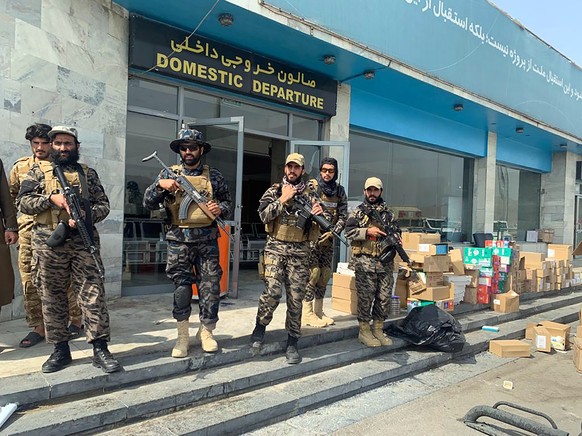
(299, 186)
(328, 188)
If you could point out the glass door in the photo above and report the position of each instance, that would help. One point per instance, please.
(226, 135)
(314, 151)
(578, 227)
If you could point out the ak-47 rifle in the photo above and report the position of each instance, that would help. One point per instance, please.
(320, 220)
(83, 225)
(192, 195)
(391, 243)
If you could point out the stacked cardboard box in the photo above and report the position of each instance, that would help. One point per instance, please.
(548, 334)
(435, 290)
(344, 297)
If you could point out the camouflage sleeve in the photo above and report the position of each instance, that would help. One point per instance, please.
(356, 226)
(14, 182)
(153, 195)
(342, 210)
(269, 205)
(221, 193)
(32, 198)
(97, 197)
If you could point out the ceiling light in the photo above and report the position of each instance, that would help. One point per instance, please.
(369, 74)
(329, 59)
(458, 107)
(226, 19)
(519, 130)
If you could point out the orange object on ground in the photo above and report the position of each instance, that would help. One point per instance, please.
(224, 260)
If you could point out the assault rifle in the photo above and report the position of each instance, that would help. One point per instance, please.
(192, 195)
(391, 243)
(83, 225)
(320, 220)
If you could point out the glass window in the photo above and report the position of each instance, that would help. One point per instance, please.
(256, 118)
(152, 95)
(305, 128)
(425, 189)
(517, 202)
(144, 247)
(198, 105)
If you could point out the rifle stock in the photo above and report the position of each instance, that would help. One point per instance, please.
(320, 220)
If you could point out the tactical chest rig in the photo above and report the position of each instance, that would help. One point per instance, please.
(77, 179)
(194, 216)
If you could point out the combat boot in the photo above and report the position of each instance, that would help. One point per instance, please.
(366, 337)
(318, 310)
(258, 335)
(308, 317)
(291, 352)
(60, 358)
(209, 344)
(102, 357)
(183, 339)
(377, 331)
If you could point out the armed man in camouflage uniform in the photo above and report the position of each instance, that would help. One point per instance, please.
(374, 278)
(37, 135)
(286, 254)
(332, 197)
(192, 242)
(55, 268)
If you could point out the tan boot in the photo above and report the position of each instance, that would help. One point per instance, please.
(209, 344)
(377, 326)
(318, 310)
(181, 347)
(366, 337)
(308, 317)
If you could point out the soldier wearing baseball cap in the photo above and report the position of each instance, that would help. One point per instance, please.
(286, 254)
(366, 229)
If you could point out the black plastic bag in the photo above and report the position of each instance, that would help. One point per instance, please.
(431, 326)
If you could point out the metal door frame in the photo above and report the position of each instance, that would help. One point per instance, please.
(238, 123)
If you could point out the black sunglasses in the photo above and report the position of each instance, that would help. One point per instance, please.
(191, 147)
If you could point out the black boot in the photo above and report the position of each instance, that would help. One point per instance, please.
(102, 358)
(291, 352)
(60, 358)
(258, 335)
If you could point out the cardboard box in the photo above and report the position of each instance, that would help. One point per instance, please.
(401, 290)
(506, 303)
(343, 293)
(439, 263)
(579, 331)
(433, 293)
(447, 305)
(542, 339)
(457, 265)
(474, 274)
(509, 348)
(559, 251)
(344, 281)
(532, 259)
(546, 235)
(345, 305)
(559, 333)
(434, 279)
(470, 296)
(578, 354)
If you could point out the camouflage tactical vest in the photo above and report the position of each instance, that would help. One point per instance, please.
(195, 216)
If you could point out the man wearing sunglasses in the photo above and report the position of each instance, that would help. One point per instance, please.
(332, 197)
(193, 241)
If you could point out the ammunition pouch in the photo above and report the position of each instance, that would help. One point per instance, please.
(59, 235)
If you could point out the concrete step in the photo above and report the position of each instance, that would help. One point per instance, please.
(325, 359)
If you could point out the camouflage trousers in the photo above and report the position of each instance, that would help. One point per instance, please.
(32, 301)
(183, 257)
(54, 270)
(374, 282)
(320, 271)
(286, 265)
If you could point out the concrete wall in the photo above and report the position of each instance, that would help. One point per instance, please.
(65, 62)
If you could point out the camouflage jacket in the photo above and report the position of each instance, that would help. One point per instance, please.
(359, 220)
(339, 218)
(154, 198)
(17, 174)
(33, 199)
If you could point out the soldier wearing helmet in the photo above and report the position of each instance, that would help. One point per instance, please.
(193, 241)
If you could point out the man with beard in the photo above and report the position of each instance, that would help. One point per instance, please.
(57, 267)
(286, 254)
(37, 135)
(193, 241)
(374, 279)
(334, 201)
